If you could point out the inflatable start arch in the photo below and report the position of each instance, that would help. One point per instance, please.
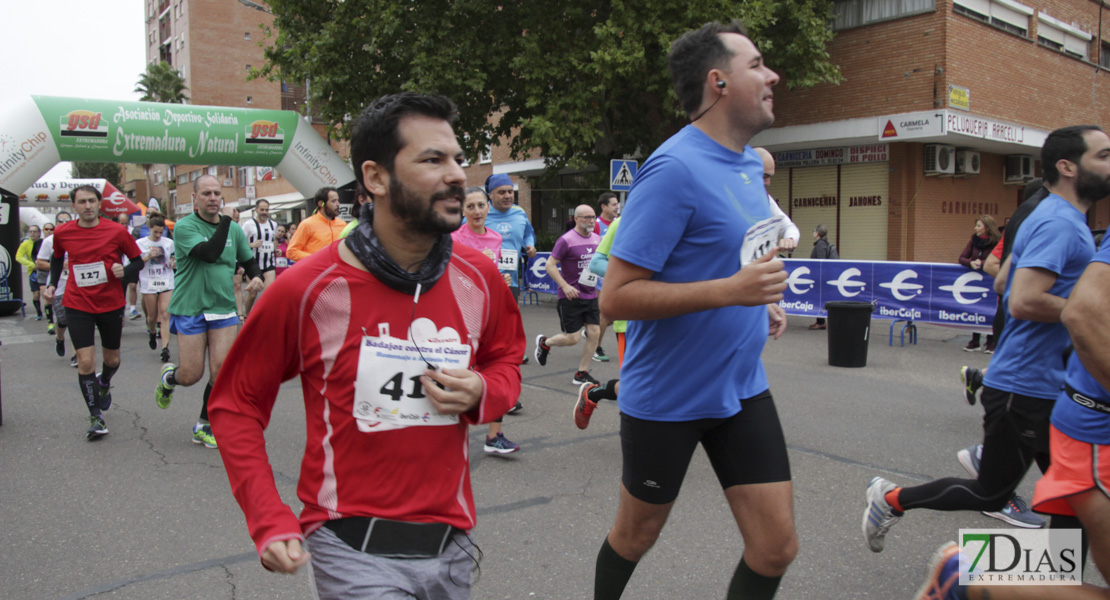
(41, 131)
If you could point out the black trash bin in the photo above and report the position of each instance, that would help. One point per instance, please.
(849, 329)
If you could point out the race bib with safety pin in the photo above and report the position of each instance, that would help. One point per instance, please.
(587, 278)
(389, 393)
(160, 277)
(266, 248)
(761, 238)
(282, 262)
(508, 260)
(90, 274)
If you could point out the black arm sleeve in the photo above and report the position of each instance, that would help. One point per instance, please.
(210, 251)
(134, 266)
(56, 266)
(250, 267)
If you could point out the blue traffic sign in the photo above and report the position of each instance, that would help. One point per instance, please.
(621, 174)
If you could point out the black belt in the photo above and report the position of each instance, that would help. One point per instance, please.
(1086, 401)
(394, 539)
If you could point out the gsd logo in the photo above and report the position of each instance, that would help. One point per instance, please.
(264, 132)
(83, 123)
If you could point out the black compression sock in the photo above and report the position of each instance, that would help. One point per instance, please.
(38, 307)
(611, 573)
(746, 584)
(606, 391)
(204, 406)
(107, 373)
(49, 312)
(87, 385)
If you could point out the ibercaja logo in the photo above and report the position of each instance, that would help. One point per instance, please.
(1020, 557)
(265, 132)
(83, 123)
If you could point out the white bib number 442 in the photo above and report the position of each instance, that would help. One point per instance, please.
(508, 260)
(389, 393)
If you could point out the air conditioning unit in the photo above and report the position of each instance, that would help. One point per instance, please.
(1019, 168)
(967, 162)
(940, 159)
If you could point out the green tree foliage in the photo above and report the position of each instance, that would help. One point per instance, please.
(162, 83)
(97, 170)
(582, 81)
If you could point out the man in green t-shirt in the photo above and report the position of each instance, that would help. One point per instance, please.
(208, 248)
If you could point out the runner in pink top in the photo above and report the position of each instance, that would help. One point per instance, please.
(475, 234)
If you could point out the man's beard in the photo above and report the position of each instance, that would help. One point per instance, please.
(1090, 187)
(417, 213)
(329, 212)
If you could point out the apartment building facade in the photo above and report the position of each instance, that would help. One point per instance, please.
(215, 45)
(940, 118)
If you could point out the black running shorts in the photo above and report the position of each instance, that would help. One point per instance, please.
(745, 448)
(83, 326)
(577, 313)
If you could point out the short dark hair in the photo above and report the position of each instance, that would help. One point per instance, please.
(375, 134)
(259, 202)
(603, 200)
(321, 195)
(1066, 143)
(476, 189)
(694, 54)
(822, 230)
(196, 182)
(1031, 188)
(84, 188)
(156, 221)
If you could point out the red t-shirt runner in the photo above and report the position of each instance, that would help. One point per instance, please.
(92, 251)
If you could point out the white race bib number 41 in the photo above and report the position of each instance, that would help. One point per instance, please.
(389, 392)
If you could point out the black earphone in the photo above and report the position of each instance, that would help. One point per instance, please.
(720, 86)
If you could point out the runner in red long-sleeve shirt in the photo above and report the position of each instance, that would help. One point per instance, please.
(385, 475)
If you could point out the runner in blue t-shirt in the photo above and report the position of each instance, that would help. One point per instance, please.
(691, 272)
(516, 235)
(512, 223)
(1076, 483)
(1050, 252)
(1079, 438)
(1085, 316)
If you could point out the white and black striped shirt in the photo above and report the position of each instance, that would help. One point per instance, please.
(266, 232)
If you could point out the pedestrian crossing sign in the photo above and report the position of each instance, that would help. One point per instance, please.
(621, 175)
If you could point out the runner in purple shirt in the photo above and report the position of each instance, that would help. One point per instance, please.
(568, 267)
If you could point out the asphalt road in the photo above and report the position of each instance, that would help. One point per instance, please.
(146, 514)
